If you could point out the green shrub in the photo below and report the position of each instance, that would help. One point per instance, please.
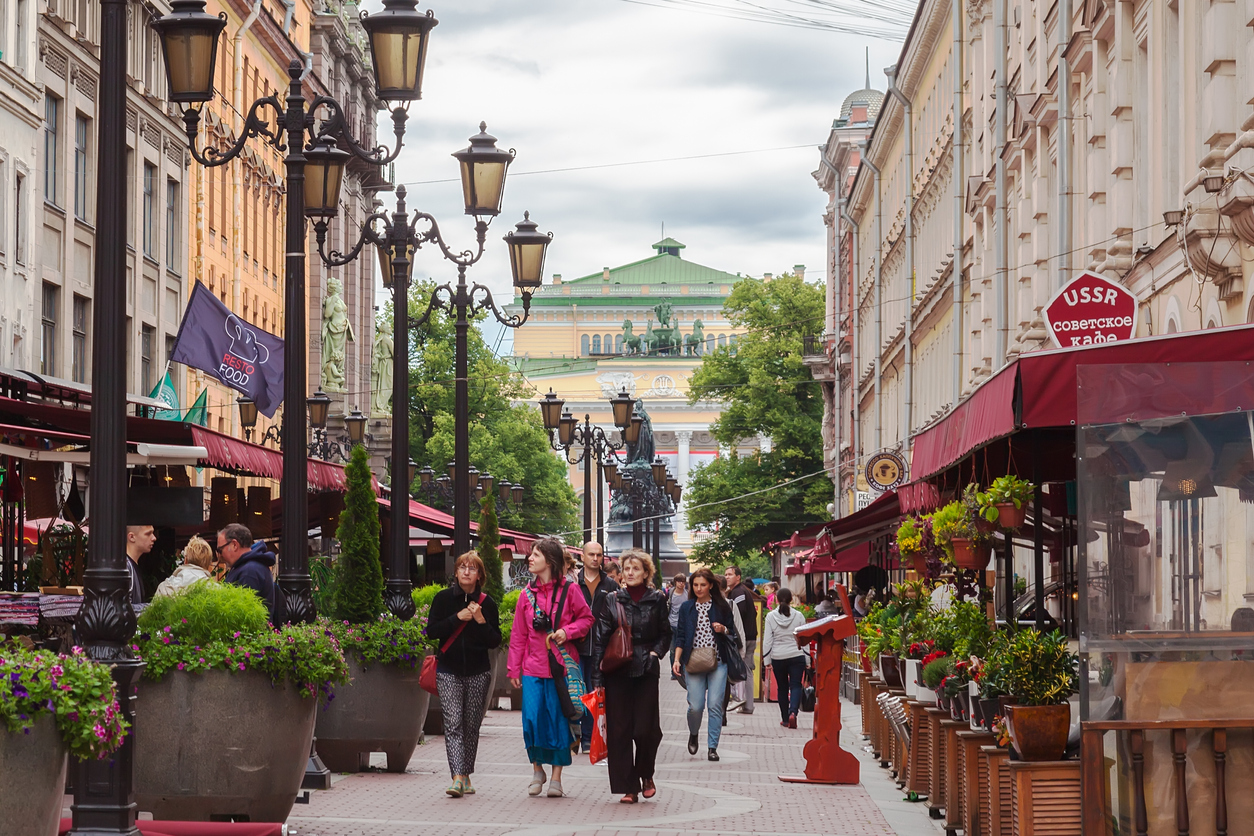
(947, 523)
(489, 539)
(936, 670)
(1005, 490)
(359, 580)
(1039, 668)
(509, 604)
(386, 641)
(78, 693)
(206, 612)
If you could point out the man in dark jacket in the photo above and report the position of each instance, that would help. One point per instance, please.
(743, 597)
(595, 586)
(249, 564)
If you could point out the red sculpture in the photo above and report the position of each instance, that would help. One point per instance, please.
(826, 762)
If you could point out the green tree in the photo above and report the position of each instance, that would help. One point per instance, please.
(507, 438)
(359, 582)
(764, 388)
(489, 539)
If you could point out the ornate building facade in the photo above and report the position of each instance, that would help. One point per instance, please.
(588, 339)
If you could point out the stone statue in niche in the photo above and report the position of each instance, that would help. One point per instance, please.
(381, 372)
(336, 332)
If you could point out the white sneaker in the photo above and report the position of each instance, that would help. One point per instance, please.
(733, 705)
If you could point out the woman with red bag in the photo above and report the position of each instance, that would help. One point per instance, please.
(630, 677)
(465, 623)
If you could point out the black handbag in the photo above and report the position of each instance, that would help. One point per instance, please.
(730, 654)
(808, 694)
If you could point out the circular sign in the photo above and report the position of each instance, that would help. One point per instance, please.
(1091, 310)
(885, 471)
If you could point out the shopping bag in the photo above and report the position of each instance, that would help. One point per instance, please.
(595, 704)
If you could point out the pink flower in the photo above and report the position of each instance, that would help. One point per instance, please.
(181, 666)
(241, 665)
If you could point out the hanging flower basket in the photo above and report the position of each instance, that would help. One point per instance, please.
(969, 554)
(919, 561)
(1008, 516)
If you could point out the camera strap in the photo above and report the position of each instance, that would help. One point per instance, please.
(556, 615)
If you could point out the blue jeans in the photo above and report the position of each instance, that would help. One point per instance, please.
(585, 722)
(707, 690)
(788, 674)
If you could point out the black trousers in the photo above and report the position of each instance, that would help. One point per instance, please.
(631, 717)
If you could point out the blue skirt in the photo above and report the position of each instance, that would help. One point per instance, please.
(546, 731)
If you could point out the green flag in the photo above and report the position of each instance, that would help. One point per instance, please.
(164, 392)
(199, 412)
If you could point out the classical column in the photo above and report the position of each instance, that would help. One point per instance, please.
(684, 437)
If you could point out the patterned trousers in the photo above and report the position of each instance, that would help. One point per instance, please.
(463, 700)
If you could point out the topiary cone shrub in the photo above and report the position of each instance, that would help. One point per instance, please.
(489, 540)
(359, 587)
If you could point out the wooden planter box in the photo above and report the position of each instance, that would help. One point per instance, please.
(919, 768)
(973, 787)
(952, 784)
(1045, 798)
(936, 765)
(995, 762)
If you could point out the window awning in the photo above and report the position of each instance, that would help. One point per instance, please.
(839, 544)
(1038, 391)
(435, 520)
(235, 456)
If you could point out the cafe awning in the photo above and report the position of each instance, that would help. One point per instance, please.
(1038, 391)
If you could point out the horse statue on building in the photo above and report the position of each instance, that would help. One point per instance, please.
(631, 343)
(667, 337)
(694, 343)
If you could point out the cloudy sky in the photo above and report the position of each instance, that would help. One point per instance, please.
(573, 84)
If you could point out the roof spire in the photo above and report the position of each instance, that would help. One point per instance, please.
(868, 69)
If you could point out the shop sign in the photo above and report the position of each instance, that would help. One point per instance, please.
(885, 471)
(1091, 310)
(863, 499)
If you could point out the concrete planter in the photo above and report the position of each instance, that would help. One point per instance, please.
(381, 710)
(219, 744)
(911, 678)
(32, 775)
(435, 713)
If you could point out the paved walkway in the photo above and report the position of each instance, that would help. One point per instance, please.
(739, 796)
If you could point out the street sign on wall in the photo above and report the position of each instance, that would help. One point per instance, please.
(1091, 310)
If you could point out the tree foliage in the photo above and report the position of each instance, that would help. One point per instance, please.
(359, 581)
(507, 439)
(764, 388)
(489, 539)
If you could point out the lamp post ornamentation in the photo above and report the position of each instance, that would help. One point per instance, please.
(396, 239)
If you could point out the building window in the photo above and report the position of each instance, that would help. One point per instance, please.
(19, 34)
(48, 331)
(172, 224)
(52, 109)
(19, 197)
(596, 343)
(150, 210)
(618, 343)
(3, 203)
(81, 126)
(583, 346)
(147, 337)
(722, 340)
(82, 313)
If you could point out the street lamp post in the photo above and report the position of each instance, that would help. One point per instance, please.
(483, 168)
(314, 171)
(565, 432)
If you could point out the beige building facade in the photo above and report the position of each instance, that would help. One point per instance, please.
(1034, 140)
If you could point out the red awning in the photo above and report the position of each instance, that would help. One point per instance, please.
(236, 456)
(878, 518)
(1038, 390)
(439, 522)
(850, 560)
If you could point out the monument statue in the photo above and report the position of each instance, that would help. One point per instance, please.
(631, 343)
(336, 332)
(666, 338)
(639, 466)
(694, 343)
(381, 372)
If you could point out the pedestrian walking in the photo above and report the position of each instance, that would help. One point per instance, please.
(740, 594)
(786, 658)
(675, 597)
(595, 586)
(632, 715)
(551, 612)
(465, 623)
(705, 616)
(197, 561)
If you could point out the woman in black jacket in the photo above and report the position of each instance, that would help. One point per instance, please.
(463, 670)
(631, 691)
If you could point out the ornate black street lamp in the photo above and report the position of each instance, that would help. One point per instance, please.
(597, 446)
(432, 488)
(483, 168)
(314, 172)
(341, 447)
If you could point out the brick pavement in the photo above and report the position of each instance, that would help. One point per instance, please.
(739, 796)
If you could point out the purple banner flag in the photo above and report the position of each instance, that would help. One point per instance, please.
(242, 356)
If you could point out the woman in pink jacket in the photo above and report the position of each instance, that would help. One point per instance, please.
(551, 611)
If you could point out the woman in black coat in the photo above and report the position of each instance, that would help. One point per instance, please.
(463, 670)
(631, 692)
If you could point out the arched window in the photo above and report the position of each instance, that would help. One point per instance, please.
(722, 340)
(709, 343)
(583, 346)
(618, 343)
(596, 343)
(608, 341)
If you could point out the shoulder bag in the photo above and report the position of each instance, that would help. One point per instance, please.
(618, 648)
(426, 679)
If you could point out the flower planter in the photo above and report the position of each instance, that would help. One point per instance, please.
(219, 744)
(901, 671)
(919, 562)
(970, 555)
(961, 707)
(975, 712)
(911, 678)
(889, 670)
(984, 526)
(990, 710)
(1008, 516)
(381, 710)
(1039, 732)
(925, 695)
(32, 773)
(942, 701)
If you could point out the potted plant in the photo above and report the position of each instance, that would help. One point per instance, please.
(910, 544)
(228, 705)
(383, 707)
(936, 666)
(916, 652)
(948, 522)
(1005, 501)
(51, 705)
(1040, 673)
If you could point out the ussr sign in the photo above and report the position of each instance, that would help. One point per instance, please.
(1091, 310)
